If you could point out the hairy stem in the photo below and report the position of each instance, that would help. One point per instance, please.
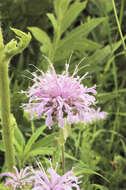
(5, 110)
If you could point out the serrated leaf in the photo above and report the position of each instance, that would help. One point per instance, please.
(71, 14)
(32, 139)
(61, 7)
(81, 31)
(105, 5)
(14, 47)
(68, 44)
(42, 37)
(81, 45)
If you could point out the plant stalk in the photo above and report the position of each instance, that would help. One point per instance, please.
(118, 24)
(7, 131)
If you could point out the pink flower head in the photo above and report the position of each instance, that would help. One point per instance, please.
(53, 181)
(60, 96)
(18, 179)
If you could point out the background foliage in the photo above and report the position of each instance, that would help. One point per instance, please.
(89, 30)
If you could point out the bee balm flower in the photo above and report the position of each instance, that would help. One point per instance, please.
(18, 180)
(60, 96)
(53, 181)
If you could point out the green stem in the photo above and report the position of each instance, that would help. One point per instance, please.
(63, 160)
(5, 111)
(63, 135)
(118, 24)
(1, 40)
(62, 140)
(121, 12)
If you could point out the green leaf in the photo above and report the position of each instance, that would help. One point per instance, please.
(113, 93)
(61, 7)
(2, 187)
(64, 133)
(71, 14)
(80, 169)
(14, 47)
(121, 114)
(41, 151)
(86, 45)
(32, 139)
(45, 141)
(56, 155)
(56, 6)
(99, 187)
(81, 30)
(124, 146)
(71, 157)
(115, 46)
(42, 37)
(82, 45)
(53, 21)
(101, 54)
(97, 133)
(104, 5)
(19, 139)
(69, 42)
